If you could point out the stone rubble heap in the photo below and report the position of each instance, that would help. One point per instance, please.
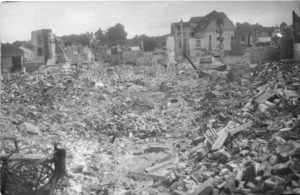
(144, 130)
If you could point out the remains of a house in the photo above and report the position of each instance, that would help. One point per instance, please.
(296, 30)
(186, 118)
(201, 35)
(11, 60)
(28, 53)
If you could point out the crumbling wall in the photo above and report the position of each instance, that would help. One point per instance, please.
(297, 51)
(237, 48)
(0, 64)
(60, 57)
(255, 55)
(30, 67)
(78, 54)
(296, 35)
(40, 41)
(286, 44)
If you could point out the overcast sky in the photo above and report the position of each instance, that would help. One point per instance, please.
(18, 19)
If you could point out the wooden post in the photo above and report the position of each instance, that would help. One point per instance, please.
(181, 39)
(0, 61)
(220, 22)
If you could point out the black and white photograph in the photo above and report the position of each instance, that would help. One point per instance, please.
(149, 97)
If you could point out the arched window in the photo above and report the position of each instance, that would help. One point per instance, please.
(40, 51)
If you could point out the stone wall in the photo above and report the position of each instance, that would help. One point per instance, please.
(255, 55)
(297, 51)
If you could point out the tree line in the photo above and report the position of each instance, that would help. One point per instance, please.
(117, 35)
(246, 29)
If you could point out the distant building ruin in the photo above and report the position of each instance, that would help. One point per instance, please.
(43, 45)
(202, 33)
(28, 53)
(11, 60)
(296, 32)
(46, 47)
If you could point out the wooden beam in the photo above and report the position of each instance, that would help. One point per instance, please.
(190, 61)
(160, 165)
(147, 176)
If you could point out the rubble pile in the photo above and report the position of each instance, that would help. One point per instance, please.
(39, 89)
(103, 105)
(146, 130)
(257, 150)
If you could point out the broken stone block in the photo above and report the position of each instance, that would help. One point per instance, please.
(278, 140)
(285, 129)
(156, 150)
(244, 152)
(289, 94)
(224, 171)
(99, 84)
(221, 185)
(129, 184)
(198, 140)
(171, 177)
(249, 173)
(215, 191)
(273, 159)
(160, 165)
(296, 191)
(189, 185)
(263, 108)
(31, 129)
(77, 168)
(207, 174)
(203, 188)
(295, 184)
(263, 157)
(222, 136)
(201, 153)
(137, 175)
(218, 180)
(282, 169)
(178, 192)
(258, 179)
(264, 96)
(251, 185)
(270, 184)
(288, 148)
(220, 156)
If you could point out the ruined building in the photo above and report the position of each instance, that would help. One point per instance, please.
(28, 52)
(296, 32)
(11, 60)
(202, 34)
(46, 47)
(43, 45)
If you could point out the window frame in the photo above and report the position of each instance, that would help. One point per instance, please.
(198, 41)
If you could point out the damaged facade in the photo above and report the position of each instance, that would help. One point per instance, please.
(79, 54)
(201, 34)
(43, 44)
(46, 46)
(296, 32)
(11, 60)
(28, 53)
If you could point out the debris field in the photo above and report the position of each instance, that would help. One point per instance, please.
(147, 130)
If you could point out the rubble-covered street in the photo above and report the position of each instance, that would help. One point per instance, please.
(146, 130)
(149, 98)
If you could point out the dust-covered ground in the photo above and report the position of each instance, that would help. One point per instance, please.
(149, 130)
